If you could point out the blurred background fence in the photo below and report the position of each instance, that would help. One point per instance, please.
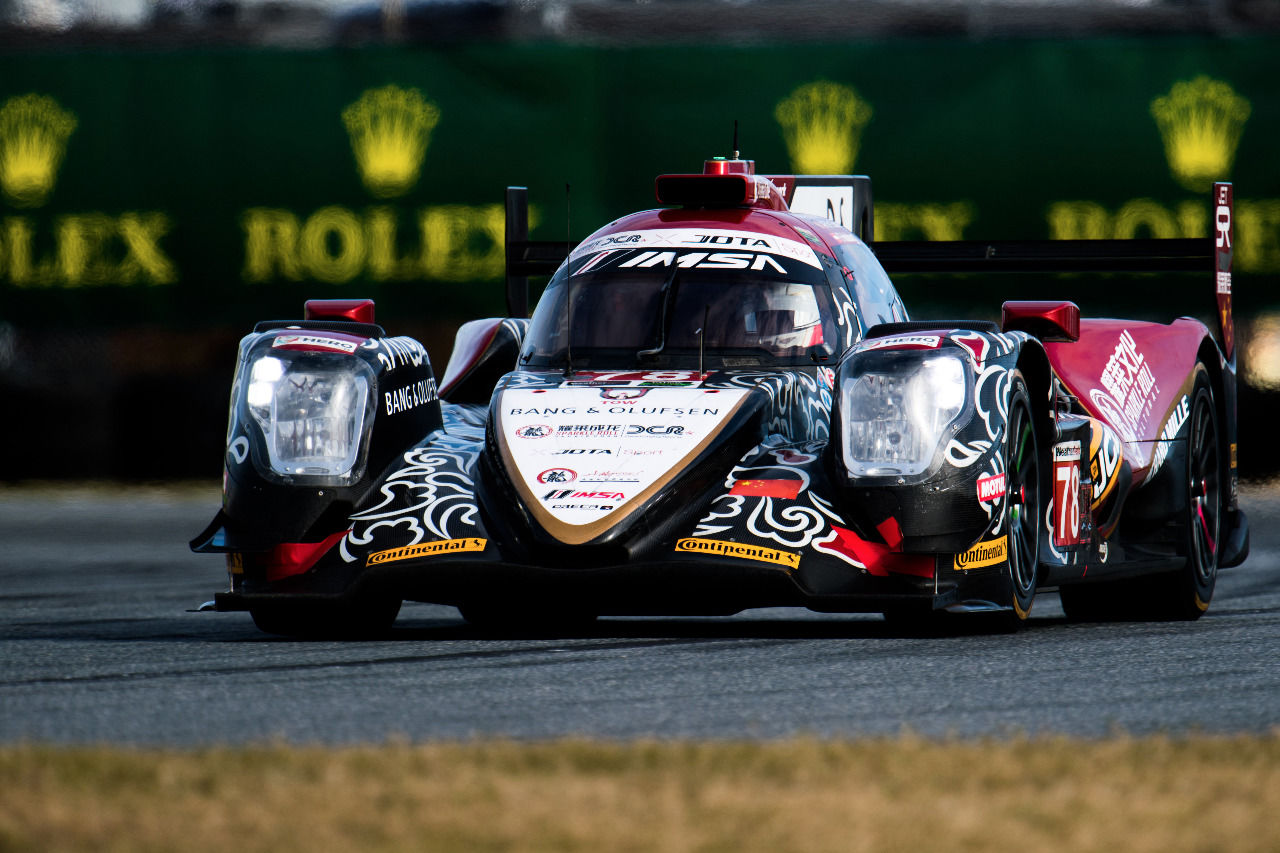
(171, 172)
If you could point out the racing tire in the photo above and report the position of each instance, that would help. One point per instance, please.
(1186, 593)
(364, 618)
(1024, 484)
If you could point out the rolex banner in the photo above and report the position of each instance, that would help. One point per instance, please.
(165, 182)
(206, 190)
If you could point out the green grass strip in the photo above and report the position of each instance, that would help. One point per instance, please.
(1163, 794)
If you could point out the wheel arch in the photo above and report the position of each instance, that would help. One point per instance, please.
(1036, 371)
(1211, 357)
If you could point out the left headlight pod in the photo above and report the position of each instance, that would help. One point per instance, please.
(897, 407)
(314, 411)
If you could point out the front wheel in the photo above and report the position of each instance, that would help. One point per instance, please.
(1021, 504)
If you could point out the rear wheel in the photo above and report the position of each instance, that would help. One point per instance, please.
(1185, 594)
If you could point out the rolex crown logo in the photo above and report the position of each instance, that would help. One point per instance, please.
(823, 122)
(33, 135)
(1201, 121)
(390, 129)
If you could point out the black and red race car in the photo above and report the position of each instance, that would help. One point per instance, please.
(723, 404)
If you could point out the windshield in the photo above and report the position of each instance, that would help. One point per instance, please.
(674, 317)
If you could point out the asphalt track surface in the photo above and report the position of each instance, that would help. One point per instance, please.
(97, 645)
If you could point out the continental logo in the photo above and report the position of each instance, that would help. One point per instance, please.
(697, 545)
(390, 129)
(822, 122)
(33, 137)
(985, 553)
(426, 549)
(1200, 121)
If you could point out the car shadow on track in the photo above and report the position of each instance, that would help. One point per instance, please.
(710, 628)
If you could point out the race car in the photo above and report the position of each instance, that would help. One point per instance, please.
(723, 404)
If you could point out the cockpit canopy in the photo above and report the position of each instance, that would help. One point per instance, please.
(681, 309)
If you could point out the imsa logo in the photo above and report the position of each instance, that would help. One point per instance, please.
(983, 554)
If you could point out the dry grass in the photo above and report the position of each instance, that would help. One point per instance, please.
(1132, 794)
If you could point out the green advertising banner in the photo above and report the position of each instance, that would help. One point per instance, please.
(197, 191)
(181, 181)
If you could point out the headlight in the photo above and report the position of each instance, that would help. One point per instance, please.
(314, 412)
(897, 408)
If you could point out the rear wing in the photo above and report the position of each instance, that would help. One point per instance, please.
(847, 200)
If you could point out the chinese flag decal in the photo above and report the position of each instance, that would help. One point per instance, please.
(766, 488)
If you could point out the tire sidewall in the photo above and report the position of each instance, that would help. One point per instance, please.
(1201, 578)
(1022, 594)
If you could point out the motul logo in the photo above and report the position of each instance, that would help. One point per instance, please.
(990, 488)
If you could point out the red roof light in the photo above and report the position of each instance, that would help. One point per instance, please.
(353, 310)
(729, 189)
(1050, 321)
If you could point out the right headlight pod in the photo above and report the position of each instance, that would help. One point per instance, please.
(898, 407)
(314, 412)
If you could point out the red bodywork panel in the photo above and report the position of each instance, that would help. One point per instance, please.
(286, 559)
(1131, 375)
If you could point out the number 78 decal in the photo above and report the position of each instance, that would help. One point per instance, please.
(1066, 494)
